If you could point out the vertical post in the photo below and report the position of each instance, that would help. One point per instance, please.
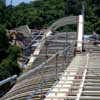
(41, 83)
(46, 47)
(65, 46)
(11, 3)
(64, 54)
(57, 65)
(80, 33)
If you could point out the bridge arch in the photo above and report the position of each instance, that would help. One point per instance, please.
(79, 20)
(59, 23)
(63, 21)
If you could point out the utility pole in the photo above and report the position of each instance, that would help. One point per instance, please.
(83, 9)
(65, 7)
(11, 3)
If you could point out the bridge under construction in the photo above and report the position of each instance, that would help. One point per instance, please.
(57, 73)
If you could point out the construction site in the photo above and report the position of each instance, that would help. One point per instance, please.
(58, 68)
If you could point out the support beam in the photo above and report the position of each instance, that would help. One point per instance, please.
(80, 32)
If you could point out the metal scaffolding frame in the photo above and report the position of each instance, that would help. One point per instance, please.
(52, 61)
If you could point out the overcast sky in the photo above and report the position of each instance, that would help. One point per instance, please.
(16, 2)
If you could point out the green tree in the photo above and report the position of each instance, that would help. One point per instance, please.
(9, 65)
(3, 42)
(8, 68)
(92, 18)
(14, 52)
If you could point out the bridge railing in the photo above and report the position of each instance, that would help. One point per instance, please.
(6, 84)
(10, 79)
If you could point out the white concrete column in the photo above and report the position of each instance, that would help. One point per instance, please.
(80, 32)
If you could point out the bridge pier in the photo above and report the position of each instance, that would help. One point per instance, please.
(80, 32)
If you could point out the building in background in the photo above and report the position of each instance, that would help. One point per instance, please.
(20, 36)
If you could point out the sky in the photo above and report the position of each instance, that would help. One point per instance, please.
(16, 2)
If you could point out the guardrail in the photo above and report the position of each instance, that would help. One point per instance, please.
(8, 80)
(5, 85)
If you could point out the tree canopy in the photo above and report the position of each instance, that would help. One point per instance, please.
(8, 56)
(42, 13)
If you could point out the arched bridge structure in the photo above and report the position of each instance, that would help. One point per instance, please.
(49, 61)
(64, 21)
(77, 20)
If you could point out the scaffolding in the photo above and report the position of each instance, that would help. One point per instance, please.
(52, 57)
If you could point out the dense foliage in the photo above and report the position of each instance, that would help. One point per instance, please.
(8, 56)
(9, 65)
(3, 42)
(40, 14)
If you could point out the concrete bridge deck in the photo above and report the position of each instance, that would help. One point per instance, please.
(81, 80)
(51, 61)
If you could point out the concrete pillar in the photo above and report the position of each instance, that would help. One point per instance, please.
(80, 32)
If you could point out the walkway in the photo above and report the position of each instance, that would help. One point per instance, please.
(81, 80)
